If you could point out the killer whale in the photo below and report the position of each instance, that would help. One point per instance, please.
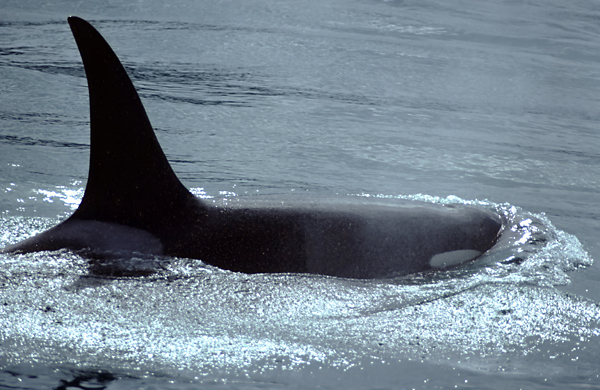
(134, 202)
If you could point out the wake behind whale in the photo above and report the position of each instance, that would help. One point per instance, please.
(134, 202)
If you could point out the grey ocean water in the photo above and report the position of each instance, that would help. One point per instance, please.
(492, 103)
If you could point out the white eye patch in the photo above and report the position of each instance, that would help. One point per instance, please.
(448, 259)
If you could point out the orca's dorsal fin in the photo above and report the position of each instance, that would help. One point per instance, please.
(130, 181)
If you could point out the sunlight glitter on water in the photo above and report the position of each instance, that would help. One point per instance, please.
(70, 197)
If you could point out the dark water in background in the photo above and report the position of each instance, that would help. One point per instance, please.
(456, 101)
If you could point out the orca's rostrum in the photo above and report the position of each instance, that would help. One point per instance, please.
(134, 202)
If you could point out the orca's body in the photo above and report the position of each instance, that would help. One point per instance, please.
(134, 202)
